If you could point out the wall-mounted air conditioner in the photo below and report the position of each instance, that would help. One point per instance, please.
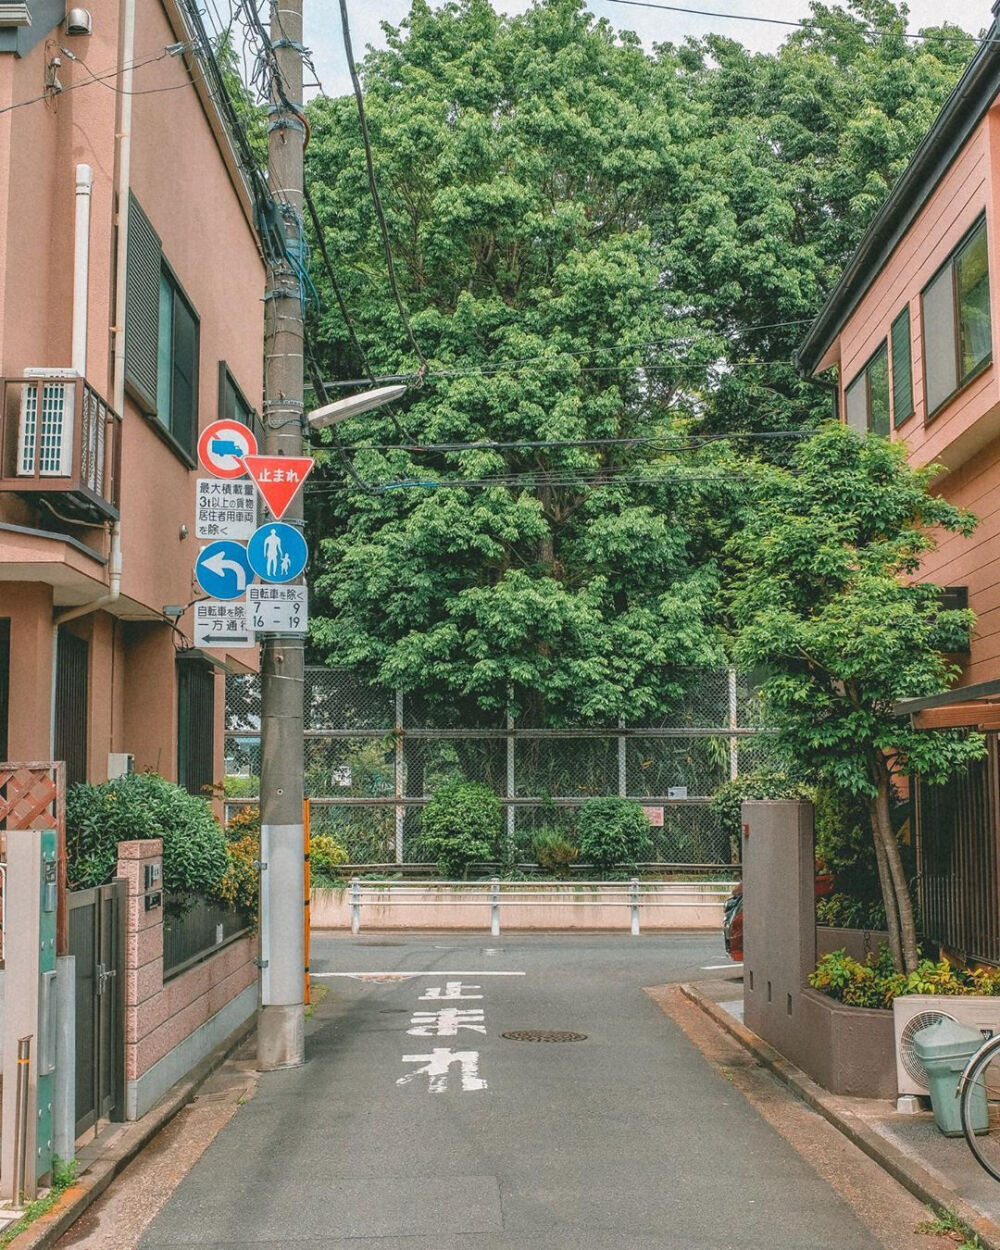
(45, 433)
(913, 1012)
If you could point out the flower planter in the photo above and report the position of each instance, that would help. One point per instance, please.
(847, 1050)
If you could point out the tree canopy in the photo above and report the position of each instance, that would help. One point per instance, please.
(605, 254)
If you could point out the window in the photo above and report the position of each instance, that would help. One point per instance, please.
(233, 405)
(902, 369)
(177, 364)
(161, 336)
(72, 654)
(957, 330)
(868, 396)
(195, 724)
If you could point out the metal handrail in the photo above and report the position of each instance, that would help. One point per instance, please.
(495, 894)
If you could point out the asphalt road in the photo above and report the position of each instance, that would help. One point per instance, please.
(452, 1137)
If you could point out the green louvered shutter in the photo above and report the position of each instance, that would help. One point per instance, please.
(902, 368)
(142, 305)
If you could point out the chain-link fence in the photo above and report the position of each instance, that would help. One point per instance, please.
(374, 757)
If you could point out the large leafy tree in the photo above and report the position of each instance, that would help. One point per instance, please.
(520, 161)
(791, 156)
(825, 602)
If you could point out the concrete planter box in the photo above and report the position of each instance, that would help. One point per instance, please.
(853, 941)
(847, 1050)
(687, 905)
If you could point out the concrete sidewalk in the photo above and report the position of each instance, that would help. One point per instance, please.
(936, 1169)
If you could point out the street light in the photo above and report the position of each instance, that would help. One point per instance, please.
(280, 1036)
(341, 409)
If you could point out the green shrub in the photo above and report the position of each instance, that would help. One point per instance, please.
(461, 825)
(731, 795)
(240, 884)
(326, 856)
(554, 851)
(143, 805)
(875, 983)
(612, 832)
(843, 911)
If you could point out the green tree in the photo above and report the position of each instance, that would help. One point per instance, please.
(826, 602)
(520, 161)
(790, 156)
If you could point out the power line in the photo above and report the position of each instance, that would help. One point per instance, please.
(373, 188)
(801, 24)
(173, 49)
(689, 442)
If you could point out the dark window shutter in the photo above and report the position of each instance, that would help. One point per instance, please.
(4, 684)
(195, 725)
(184, 391)
(71, 705)
(902, 368)
(142, 305)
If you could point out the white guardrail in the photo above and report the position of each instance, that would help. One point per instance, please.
(633, 895)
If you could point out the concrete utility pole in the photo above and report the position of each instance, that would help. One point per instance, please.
(280, 1035)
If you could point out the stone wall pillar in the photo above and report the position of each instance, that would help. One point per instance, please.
(143, 949)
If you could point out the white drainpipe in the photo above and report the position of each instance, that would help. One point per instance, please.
(124, 134)
(81, 267)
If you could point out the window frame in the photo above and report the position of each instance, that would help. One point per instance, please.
(898, 420)
(865, 373)
(950, 263)
(253, 416)
(4, 686)
(166, 427)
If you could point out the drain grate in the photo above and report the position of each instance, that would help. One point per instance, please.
(543, 1035)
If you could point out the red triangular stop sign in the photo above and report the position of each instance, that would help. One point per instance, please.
(278, 478)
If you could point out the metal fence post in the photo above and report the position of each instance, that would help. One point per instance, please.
(634, 896)
(495, 909)
(622, 761)
(734, 743)
(21, 1120)
(400, 810)
(355, 896)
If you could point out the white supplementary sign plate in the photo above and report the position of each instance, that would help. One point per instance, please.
(225, 508)
(278, 609)
(222, 623)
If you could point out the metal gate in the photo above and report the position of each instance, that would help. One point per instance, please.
(96, 938)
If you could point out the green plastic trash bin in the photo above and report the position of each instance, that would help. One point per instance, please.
(944, 1049)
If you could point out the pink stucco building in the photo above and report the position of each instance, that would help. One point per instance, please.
(130, 316)
(913, 330)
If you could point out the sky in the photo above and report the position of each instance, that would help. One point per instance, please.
(323, 32)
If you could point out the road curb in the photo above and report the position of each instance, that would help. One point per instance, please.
(47, 1229)
(924, 1185)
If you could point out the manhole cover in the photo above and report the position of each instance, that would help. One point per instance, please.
(543, 1035)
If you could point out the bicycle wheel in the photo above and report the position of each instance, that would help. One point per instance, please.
(981, 1082)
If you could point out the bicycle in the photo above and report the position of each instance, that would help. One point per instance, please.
(982, 1073)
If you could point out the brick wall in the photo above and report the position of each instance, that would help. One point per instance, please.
(170, 1027)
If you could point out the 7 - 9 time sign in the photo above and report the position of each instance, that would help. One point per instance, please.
(278, 609)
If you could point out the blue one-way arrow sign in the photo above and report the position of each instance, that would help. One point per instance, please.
(222, 569)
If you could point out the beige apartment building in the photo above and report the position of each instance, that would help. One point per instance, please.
(131, 316)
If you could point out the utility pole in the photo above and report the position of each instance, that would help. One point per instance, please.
(281, 1029)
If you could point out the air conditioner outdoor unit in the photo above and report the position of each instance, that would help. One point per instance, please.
(913, 1012)
(46, 426)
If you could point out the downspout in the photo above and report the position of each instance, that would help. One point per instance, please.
(81, 267)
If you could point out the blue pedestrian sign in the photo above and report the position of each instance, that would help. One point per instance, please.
(277, 552)
(223, 570)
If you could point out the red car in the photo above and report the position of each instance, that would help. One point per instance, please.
(732, 915)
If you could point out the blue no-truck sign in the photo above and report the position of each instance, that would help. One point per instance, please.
(277, 552)
(223, 570)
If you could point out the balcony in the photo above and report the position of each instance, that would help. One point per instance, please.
(60, 441)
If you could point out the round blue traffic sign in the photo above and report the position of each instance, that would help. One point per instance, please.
(223, 570)
(277, 552)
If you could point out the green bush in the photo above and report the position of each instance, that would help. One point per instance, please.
(461, 825)
(875, 983)
(731, 795)
(143, 805)
(612, 832)
(554, 851)
(326, 856)
(844, 911)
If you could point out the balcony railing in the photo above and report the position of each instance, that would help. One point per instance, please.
(58, 437)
